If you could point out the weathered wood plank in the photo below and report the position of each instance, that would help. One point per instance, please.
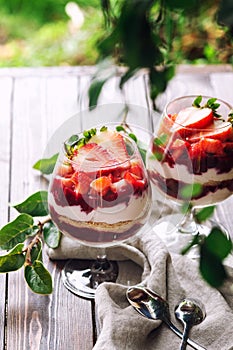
(6, 85)
(35, 322)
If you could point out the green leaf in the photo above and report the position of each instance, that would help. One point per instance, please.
(35, 205)
(16, 231)
(191, 191)
(218, 244)
(197, 101)
(211, 267)
(94, 92)
(46, 165)
(38, 278)
(70, 143)
(204, 213)
(12, 261)
(51, 234)
(36, 252)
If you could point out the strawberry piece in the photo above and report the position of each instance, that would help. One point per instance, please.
(65, 170)
(179, 149)
(92, 156)
(101, 185)
(83, 182)
(136, 169)
(195, 118)
(137, 183)
(211, 145)
(219, 130)
(113, 142)
(198, 158)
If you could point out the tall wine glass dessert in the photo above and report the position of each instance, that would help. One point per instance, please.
(190, 161)
(99, 195)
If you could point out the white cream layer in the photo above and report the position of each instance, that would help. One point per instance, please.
(180, 173)
(136, 208)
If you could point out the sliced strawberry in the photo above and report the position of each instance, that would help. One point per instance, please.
(198, 158)
(219, 130)
(195, 118)
(101, 185)
(213, 146)
(136, 169)
(65, 170)
(179, 149)
(136, 182)
(113, 142)
(68, 182)
(83, 183)
(92, 156)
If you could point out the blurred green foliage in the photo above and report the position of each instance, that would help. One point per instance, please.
(37, 33)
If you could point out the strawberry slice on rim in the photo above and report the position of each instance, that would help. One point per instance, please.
(191, 118)
(92, 156)
(220, 130)
(114, 143)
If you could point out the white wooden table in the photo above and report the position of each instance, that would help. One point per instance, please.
(33, 104)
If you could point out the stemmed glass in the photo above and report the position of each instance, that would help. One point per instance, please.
(190, 162)
(100, 195)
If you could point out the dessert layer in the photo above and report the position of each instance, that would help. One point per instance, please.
(136, 207)
(212, 192)
(95, 234)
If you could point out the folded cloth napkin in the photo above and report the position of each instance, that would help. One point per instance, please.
(173, 277)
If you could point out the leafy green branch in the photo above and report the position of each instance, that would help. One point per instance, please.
(140, 35)
(22, 240)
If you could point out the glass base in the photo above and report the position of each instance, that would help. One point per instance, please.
(82, 277)
(176, 236)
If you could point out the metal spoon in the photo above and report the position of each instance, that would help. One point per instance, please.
(190, 312)
(151, 305)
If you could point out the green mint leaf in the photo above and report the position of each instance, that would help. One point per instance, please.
(161, 140)
(191, 191)
(16, 231)
(197, 102)
(46, 165)
(71, 143)
(35, 205)
(204, 213)
(210, 102)
(51, 234)
(218, 244)
(120, 128)
(133, 137)
(211, 267)
(12, 261)
(38, 278)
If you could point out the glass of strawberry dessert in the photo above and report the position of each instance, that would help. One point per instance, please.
(99, 195)
(190, 162)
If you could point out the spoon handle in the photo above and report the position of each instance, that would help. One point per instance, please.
(190, 342)
(183, 344)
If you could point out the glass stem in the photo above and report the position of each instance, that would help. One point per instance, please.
(188, 225)
(103, 270)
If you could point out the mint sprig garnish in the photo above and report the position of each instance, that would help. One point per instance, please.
(211, 103)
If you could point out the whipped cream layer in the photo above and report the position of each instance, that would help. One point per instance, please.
(136, 208)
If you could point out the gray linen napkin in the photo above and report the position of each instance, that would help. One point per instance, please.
(170, 275)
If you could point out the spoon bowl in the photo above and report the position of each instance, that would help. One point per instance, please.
(190, 312)
(151, 305)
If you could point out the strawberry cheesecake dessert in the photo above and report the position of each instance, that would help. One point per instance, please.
(194, 146)
(99, 193)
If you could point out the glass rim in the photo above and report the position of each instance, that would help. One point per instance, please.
(226, 104)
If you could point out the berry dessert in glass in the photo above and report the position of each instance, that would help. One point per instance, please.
(99, 195)
(190, 161)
